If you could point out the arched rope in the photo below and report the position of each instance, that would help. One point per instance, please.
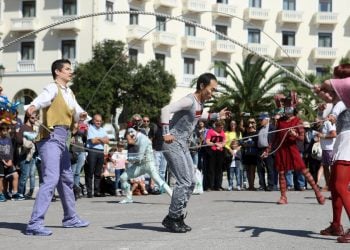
(71, 19)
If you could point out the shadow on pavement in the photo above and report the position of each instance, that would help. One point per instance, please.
(140, 226)
(256, 231)
(15, 226)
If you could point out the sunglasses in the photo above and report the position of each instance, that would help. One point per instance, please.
(145, 120)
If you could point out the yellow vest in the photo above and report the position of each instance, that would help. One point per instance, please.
(57, 114)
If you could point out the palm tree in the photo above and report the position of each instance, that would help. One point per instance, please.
(252, 91)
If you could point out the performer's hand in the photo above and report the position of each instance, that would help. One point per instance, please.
(325, 91)
(168, 138)
(224, 113)
(31, 109)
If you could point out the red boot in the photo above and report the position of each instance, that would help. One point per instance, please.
(283, 189)
(345, 238)
(320, 198)
(333, 230)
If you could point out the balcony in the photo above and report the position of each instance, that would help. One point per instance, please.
(26, 66)
(73, 25)
(137, 32)
(187, 80)
(24, 24)
(194, 43)
(166, 3)
(162, 38)
(257, 14)
(224, 10)
(290, 16)
(261, 49)
(326, 18)
(195, 6)
(323, 53)
(222, 46)
(290, 52)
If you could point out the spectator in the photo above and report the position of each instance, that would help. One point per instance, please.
(235, 166)
(96, 139)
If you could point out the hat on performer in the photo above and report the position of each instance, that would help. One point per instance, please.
(342, 88)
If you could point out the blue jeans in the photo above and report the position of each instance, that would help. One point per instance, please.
(76, 168)
(26, 168)
(289, 178)
(117, 174)
(236, 171)
(161, 163)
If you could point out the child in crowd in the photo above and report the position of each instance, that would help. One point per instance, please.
(235, 167)
(116, 163)
(138, 186)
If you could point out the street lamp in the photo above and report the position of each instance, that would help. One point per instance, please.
(2, 71)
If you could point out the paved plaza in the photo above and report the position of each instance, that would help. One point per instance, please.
(220, 220)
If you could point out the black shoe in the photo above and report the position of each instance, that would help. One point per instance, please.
(155, 192)
(99, 195)
(76, 190)
(184, 225)
(174, 225)
(89, 195)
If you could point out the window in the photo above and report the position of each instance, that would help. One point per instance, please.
(25, 97)
(255, 3)
(68, 49)
(325, 5)
(133, 55)
(288, 38)
(69, 7)
(289, 5)
(321, 71)
(28, 8)
(325, 40)
(222, 1)
(253, 36)
(190, 30)
(134, 18)
(161, 59)
(27, 51)
(222, 29)
(161, 23)
(219, 69)
(109, 8)
(189, 66)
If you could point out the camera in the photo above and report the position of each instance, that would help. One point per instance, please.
(246, 114)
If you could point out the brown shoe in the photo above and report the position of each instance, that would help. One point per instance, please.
(345, 238)
(333, 230)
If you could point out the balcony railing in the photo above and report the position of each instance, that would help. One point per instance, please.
(322, 53)
(224, 10)
(290, 52)
(24, 24)
(259, 48)
(222, 46)
(26, 66)
(164, 38)
(72, 25)
(192, 42)
(187, 80)
(166, 3)
(326, 18)
(195, 6)
(137, 32)
(290, 16)
(257, 14)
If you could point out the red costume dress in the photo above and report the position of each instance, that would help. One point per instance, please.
(288, 156)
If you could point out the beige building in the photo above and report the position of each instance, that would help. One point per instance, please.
(313, 33)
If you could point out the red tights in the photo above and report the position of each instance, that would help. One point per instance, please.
(340, 189)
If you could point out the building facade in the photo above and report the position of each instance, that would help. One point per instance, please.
(309, 35)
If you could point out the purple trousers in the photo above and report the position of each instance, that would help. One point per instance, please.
(56, 171)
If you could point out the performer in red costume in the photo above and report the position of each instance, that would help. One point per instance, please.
(335, 91)
(288, 156)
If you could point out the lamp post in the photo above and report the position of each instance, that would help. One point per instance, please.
(2, 71)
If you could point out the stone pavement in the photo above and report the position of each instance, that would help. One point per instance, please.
(220, 220)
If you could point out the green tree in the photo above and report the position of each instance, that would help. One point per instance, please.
(109, 81)
(252, 91)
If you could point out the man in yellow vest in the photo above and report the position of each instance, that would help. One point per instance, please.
(60, 110)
